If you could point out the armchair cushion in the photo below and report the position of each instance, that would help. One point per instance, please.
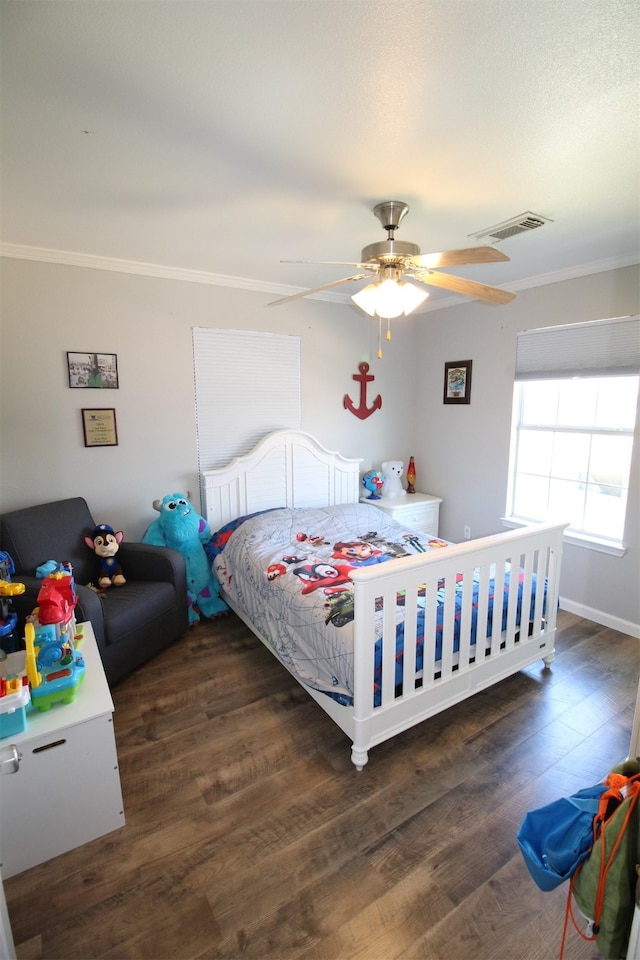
(131, 623)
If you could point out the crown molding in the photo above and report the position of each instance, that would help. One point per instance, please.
(544, 279)
(93, 262)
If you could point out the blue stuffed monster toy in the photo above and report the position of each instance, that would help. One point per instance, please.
(181, 527)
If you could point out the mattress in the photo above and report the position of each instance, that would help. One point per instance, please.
(288, 569)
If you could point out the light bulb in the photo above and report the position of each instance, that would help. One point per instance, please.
(389, 303)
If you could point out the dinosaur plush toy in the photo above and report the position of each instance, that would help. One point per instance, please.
(181, 527)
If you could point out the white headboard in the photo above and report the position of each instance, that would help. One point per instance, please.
(287, 468)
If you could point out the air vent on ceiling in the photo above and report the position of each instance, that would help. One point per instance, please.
(511, 228)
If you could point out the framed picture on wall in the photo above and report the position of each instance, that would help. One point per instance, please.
(457, 381)
(93, 370)
(99, 427)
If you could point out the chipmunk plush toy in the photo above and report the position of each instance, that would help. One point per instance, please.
(106, 543)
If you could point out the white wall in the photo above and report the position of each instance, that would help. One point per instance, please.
(48, 309)
(462, 452)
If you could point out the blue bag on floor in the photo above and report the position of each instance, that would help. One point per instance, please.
(555, 839)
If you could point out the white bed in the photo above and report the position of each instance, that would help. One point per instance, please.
(291, 469)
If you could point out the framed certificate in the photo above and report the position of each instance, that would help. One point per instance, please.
(99, 426)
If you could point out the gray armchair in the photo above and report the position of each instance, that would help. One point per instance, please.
(132, 622)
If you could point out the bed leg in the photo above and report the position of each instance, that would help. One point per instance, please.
(548, 660)
(359, 757)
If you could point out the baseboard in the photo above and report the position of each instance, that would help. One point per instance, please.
(598, 616)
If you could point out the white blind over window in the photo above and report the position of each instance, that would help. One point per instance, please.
(596, 349)
(246, 385)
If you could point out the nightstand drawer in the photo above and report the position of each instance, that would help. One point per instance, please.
(420, 511)
(423, 518)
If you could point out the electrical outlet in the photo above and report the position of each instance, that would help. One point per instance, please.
(467, 533)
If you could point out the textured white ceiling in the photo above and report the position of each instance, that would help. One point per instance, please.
(224, 136)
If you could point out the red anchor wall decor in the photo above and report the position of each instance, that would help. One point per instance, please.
(363, 411)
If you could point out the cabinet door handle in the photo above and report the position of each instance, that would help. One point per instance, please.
(10, 758)
(49, 746)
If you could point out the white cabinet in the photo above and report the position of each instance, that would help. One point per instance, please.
(420, 511)
(66, 790)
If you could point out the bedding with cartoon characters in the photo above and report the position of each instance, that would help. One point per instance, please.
(289, 571)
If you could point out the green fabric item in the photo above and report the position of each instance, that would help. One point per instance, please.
(620, 884)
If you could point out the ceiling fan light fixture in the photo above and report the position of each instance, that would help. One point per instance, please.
(389, 298)
(413, 297)
(389, 295)
(366, 298)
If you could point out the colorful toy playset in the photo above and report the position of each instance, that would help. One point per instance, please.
(14, 687)
(46, 668)
(54, 667)
(9, 640)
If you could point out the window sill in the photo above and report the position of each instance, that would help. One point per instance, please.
(577, 539)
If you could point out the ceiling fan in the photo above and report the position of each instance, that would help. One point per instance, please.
(391, 263)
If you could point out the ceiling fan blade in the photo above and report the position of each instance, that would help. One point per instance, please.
(457, 258)
(470, 288)
(337, 263)
(325, 286)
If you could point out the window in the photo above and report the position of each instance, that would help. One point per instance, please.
(246, 385)
(574, 418)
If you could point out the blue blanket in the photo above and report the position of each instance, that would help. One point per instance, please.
(457, 616)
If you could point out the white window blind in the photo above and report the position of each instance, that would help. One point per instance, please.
(246, 385)
(596, 349)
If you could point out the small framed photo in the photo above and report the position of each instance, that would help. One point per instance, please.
(93, 370)
(99, 427)
(457, 382)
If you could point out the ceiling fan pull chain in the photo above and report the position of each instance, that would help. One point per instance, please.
(379, 338)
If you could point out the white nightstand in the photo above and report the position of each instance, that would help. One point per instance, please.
(67, 788)
(420, 511)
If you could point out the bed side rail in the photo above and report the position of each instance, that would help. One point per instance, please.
(503, 589)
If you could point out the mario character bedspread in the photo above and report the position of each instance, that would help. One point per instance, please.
(288, 571)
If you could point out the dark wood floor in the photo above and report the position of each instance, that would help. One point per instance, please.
(251, 835)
